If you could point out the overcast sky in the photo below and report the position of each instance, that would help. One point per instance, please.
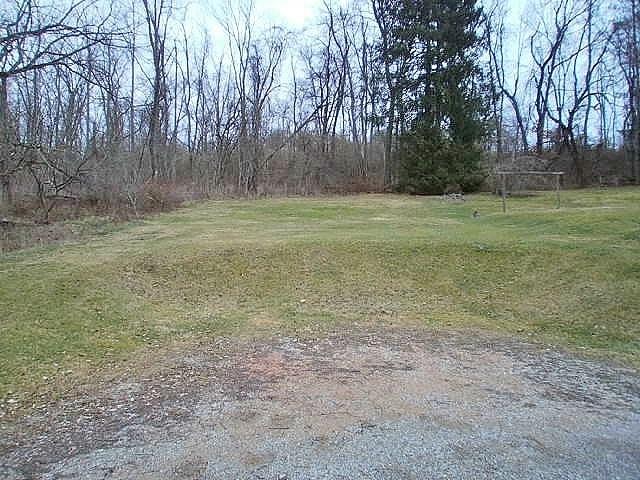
(295, 13)
(291, 14)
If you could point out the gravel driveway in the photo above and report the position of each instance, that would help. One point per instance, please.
(401, 404)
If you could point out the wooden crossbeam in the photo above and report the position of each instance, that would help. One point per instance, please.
(504, 174)
(532, 172)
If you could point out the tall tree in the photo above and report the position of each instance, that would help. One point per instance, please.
(500, 71)
(442, 104)
(395, 68)
(626, 43)
(157, 15)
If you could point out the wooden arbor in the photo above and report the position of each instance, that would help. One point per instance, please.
(502, 176)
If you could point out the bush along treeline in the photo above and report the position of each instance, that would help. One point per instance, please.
(122, 107)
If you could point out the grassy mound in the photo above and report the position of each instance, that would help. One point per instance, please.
(569, 276)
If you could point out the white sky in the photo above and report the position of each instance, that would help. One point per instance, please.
(292, 14)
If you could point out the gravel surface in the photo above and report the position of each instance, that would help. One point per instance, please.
(380, 405)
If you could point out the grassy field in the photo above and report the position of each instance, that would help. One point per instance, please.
(569, 277)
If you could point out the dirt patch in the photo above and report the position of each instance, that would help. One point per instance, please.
(379, 404)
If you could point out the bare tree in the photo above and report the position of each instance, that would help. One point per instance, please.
(495, 38)
(545, 46)
(34, 37)
(625, 43)
(572, 85)
(157, 15)
(394, 76)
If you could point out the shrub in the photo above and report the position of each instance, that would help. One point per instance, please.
(430, 166)
(158, 197)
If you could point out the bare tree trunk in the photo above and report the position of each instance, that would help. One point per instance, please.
(186, 81)
(6, 197)
(380, 9)
(156, 18)
(132, 114)
(635, 91)
(587, 111)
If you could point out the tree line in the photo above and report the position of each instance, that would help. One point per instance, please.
(124, 104)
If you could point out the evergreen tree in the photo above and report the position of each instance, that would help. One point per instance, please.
(441, 103)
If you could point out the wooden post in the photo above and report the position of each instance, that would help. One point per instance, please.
(503, 178)
(503, 182)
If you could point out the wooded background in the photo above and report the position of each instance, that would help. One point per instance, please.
(123, 106)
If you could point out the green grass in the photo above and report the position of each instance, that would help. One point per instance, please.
(569, 277)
